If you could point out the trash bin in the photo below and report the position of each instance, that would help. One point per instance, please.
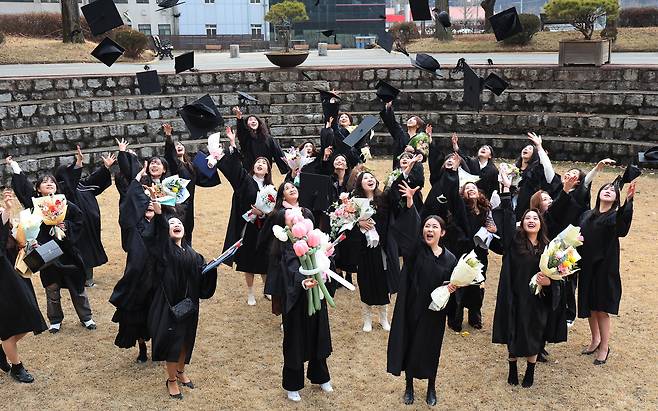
(363, 41)
(322, 49)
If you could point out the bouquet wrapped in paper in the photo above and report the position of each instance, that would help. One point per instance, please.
(172, 191)
(265, 201)
(52, 211)
(295, 159)
(366, 210)
(392, 177)
(27, 231)
(559, 258)
(468, 271)
(313, 248)
(215, 149)
(344, 215)
(512, 171)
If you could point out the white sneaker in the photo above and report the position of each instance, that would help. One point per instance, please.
(294, 396)
(267, 297)
(251, 300)
(569, 323)
(367, 320)
(326, 387)
(90, 325)
(54, 328)
(383, 318)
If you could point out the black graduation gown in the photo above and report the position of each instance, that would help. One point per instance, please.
(346, 252)
(532, 180)
(83, 192)
(416, 337)
(19, 310)
(415, 179)
(335, 135)
(245, 190)
(177, 272)
(400, 137)
(488, 174)
(189, 172)
(254, 146)
(304, 337)
(520, 316)
(599, 282)
(71, 262)
(133, 292)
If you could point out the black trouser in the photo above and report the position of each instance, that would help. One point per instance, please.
(89, 274)
(570, 290)
(317, 373)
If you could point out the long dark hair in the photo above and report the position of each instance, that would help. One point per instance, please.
(533, 159)
(279, 195)
(43, 178)
(267, 180)
(615, 205)
(521, 240)
(378, 196)
(441, 221)
(315, 149)
(262, 131)
(479, 206)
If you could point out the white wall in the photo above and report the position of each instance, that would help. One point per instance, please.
(230, 16)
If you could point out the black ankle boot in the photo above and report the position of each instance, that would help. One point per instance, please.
(142, 358)
(20, 374)
(4, 365)
(513, 375)
(529, 377)
(431, 392)
(409, 392)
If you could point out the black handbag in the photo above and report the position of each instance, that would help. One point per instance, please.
(184, 309)
(43, 256)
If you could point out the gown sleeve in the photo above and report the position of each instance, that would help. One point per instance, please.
(70, 179)
(73, 223)
(231, 166)
(100, 180)
(23, 189)
(277, 155)
(170, 156)
(128, 164)
(242, 133)
(624, 218)
(208, 281)
(400, 138)
(505, 223)
(435, 163)
(132, 210)
(406, 229)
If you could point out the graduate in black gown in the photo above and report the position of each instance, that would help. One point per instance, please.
(339, 125)
(69, 270)
(532, 175)
(520, 316)
(246, 184)
(83, 192)
(401, 137)
(19, 311)
(305, 338)
(180, 163)
(177, 278)
(599, 287)
(133, 292)
(255, 141)
(411, 172)
(481, 165)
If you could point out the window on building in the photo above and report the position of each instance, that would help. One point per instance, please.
(209, 1)
(144, 28)
(256, 30)
(121, 1)
(143, 1)
(254, 1)
(164, 29)
(211, 30)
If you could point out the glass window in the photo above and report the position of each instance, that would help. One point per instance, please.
(211, 30)
(121, 1)
(142, 1)
(144, 28)
(164, 29)
(256, 30)
(254, 1)
(209, 1)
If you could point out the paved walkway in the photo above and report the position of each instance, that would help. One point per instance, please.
(352, 57)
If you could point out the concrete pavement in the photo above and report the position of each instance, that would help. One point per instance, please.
(353, 57)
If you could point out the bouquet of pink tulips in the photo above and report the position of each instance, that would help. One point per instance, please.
(313, 248)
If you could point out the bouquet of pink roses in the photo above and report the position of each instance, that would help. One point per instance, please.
(344, 215)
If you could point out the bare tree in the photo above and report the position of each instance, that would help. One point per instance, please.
(488, 6)
(71, 28)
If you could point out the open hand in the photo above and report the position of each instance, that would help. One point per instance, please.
(407, 192)
(327, 153)
(329, 122)
(78, 156)
(231, 136)
(123, 144)
(605, 162)
(568, 183)
(238, 113)
(428, 130)
(109, 160)
(454, 139)
(535, 138)
(168, 129)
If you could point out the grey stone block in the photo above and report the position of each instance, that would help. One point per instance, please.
(43, 137)
(28, 111)
(94, 83)
(43, 84)
(5, 97)
(102, 106)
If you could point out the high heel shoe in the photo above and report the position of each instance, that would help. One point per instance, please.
(178, 396)
(188, 384)
(603, 361)
(585, 352)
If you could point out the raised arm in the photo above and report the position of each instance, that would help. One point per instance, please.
(549, 172)
(22, 188)
(170, 150)
(625, 213)
(400, 138)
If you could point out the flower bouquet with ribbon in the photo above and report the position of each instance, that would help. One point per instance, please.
(468, 271)
(366, 210)
(265, 201)
(27, 231)
(512, 171)
(172, 191)
(313, 248)
(559, 258)
(344, 215)
(392, 177)
(215, 149)
(52, 211)
(295, 159)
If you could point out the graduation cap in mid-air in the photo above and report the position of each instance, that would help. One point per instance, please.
(184, 62)
(443, 18)
(328, 33)
(385, 40)
(167, 4)
(472, 88)
(426, 63)
(631, 173)
(361, 130)
(149, 82)
(650, 156)
(108, 51)
(242, 96)
(495, 84)
(326, 95)
(201, 116)
(506, 24)
(420, 10)
(386, 92)
(102, 16)
(201, 163)
(314, 191)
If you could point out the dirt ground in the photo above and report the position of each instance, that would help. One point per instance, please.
(237, 360)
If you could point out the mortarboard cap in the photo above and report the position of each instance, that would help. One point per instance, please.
(361, 130)
(326, 95)
(472, 88)
(385, 40)
(201, 163)
(201, 116)
(167, 4)
(184, 62)
(248, 97)
(649, 156)
(386, 92)
(496, 84)
(420, 10)
(314, 191)
(328, 33)
(444, 18)
(427, 63)
(506, 24)
(102, 16)
(631, 173)
(108, 51)
(149, 82)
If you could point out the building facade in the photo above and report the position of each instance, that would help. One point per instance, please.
(224, 17)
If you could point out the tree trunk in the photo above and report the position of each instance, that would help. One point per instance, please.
(441, 33)
(71, 28)
(488, 6)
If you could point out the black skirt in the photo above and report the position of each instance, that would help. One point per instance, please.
(19, 311)
(247, 259)
(372, 277)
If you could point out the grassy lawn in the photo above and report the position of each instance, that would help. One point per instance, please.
(629, 39)
(24, 50)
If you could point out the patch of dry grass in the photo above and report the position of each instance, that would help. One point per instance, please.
(26, 50)
(629, 39)
(237, 360)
